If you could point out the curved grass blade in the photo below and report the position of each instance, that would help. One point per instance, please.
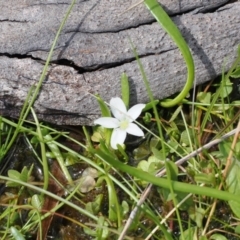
(167, 24)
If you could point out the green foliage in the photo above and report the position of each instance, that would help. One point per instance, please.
(15, 175)
(218, 237)
(167, 24)
(114, 210)
(236, 73)
(98, 134)
(150, 105)
(103, 106)
(233, 186)
(112, 182)
(16, 234)
(101, 231)
(190, 234)
(125, 89)
(94, 207)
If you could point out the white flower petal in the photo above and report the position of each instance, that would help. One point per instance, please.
(133, 129)
(107, 122)
(118, 108)
(118, 137)
(134, 112)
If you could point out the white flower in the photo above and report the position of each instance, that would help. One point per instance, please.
(123, 121)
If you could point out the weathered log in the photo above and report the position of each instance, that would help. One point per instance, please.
(94, 50)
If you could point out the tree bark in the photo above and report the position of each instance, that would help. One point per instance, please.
(94, 50)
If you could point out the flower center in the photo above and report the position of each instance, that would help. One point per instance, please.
(124, 124)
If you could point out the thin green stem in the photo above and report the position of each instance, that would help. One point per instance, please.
(32, 94)
(161, 182)
(43, 152)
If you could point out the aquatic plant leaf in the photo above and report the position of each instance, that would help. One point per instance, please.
(158, 154)
(35, 139)
(102, 231)
(205, 178)
(174, 146)
(143, 165)
(235, 73)
(154, 142)
(233, 185)
(94, 207)
(218, 236)
(141, 152)
(186, 137)
(98, 134)
(36, 201)
(89, 231)
(147, 118)
(235, 206)
(16, 234)
(197, 216)
(152, 165)
(125, 208)
(24, 174)
(14, 174)
(226, 89)
(204, 97)
(189, 234)
(237, 229)
(224, 148)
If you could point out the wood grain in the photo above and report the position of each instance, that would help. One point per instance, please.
(94, 50)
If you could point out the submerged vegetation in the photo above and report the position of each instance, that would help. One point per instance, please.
(179, 181)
